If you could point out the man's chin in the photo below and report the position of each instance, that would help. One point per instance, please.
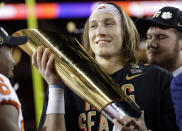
(155, 62)
(160, 63)
(11, 75)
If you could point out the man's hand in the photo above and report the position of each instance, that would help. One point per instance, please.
(133, 124)
(45, 64)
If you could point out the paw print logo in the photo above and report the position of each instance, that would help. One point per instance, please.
(166, 15)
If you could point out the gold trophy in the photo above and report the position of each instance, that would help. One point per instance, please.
(81, 73)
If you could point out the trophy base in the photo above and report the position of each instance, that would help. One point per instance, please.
(118, 110)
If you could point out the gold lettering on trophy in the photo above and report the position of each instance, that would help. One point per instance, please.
(89, 120)
(130, 88)
(103, 125)
(82, 122)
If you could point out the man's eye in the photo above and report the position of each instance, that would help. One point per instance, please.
(109, 24)
(92, 26)
(161, 37)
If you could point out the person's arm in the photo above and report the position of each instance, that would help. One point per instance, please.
(176, 94)
(55, 122)
(8, 118)
(44, 62)
(56, 109)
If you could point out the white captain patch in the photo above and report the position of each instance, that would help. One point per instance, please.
(166, 15)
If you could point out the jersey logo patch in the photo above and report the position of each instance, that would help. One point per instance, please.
(134, 76)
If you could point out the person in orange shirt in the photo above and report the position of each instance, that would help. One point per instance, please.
(11, 118)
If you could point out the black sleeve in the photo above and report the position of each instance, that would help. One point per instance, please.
(167, 116)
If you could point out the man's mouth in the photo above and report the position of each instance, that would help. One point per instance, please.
(101, 42)
(153, 52)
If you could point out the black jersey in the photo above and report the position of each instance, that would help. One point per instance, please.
(147, 85)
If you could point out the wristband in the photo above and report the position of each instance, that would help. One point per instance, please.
(56, 104)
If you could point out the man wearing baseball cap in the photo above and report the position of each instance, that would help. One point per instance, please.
(11, 118)
(163, 33)
(6, 40)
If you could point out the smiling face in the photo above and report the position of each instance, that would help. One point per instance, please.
(7, 61)
(105, 34)
(162, 46)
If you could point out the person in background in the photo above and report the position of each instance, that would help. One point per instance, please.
(11, 118)
(176, 93)
(163, 33)
(164, 48)
(111, 37)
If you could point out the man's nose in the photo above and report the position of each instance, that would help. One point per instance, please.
(101, 30)
(152, 43)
